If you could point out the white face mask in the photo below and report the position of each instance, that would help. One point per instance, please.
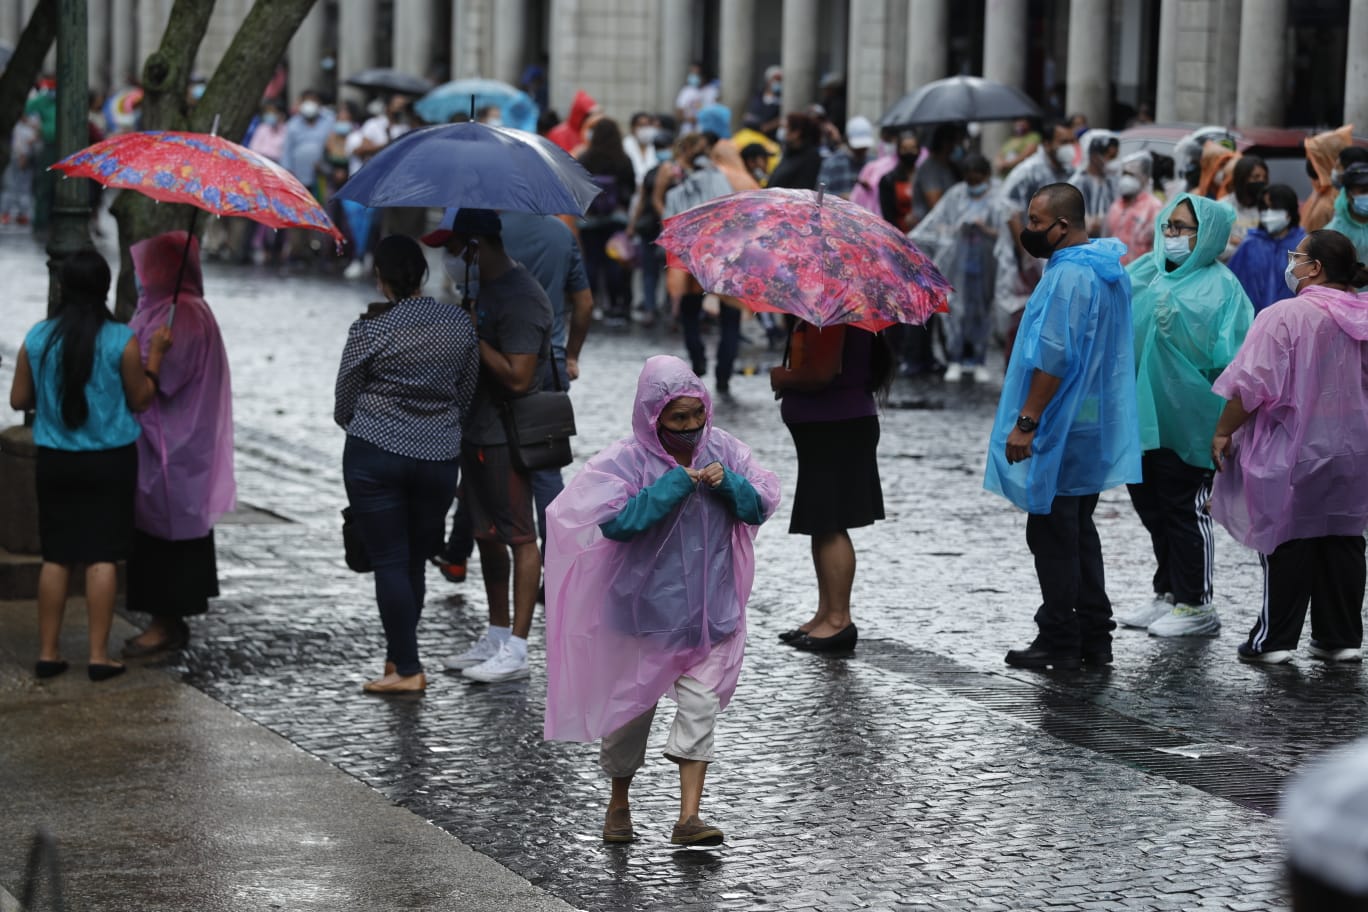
(1176, 249)
(494, 122)
(1129, 185)
(645, 135)
(1065, 156)
(309, 109)
(1274, 220)
(1291, 280)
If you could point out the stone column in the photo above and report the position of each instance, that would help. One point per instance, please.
(123, 42)
(1087, 88)
(798, 54)
(510, 40)
(11, 24)
(306, 53)
(736, 58)
(1166, 71)
(356, 41)
(927, 42)
(1356, 68)
(676, 46)
(1263, 34)
(97, 45)
(1004, 60)
(411, 38)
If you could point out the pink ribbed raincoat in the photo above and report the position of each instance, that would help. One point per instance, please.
(1300, 462)
(625, 620)
(185, 452)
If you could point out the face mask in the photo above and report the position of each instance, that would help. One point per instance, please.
(977, 189)
(909, 161)
(1037, 243)
(1064, 155)
(1112, 168)
(957, 154)
(758, 174)
(779, 135)
(375, 108)
(270, 120)
(1129, 185)
(1336, 176)
(1274, 220)
(664, 155)
(309, 109)
(887, 148)
(1254, 190)
(680, 441)
(494, 122)
(1176, 249)
(695, 80)
(776, 87)
(1359, 205)
(197, 91)
(342, 128)
(1291, 280)
(645, 135)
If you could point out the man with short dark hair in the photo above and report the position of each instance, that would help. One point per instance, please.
(513, 319)
(1067, 426)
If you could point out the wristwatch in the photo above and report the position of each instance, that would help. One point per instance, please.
(1026, 424)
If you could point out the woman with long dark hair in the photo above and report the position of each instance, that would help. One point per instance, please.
(830, 385)
(83, 376)
(611, 169)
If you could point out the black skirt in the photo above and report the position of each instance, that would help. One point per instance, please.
(172, 578)
(838, 476)
(85, 504)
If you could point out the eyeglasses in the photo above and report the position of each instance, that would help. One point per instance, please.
(1293, 254)
(1177, 228)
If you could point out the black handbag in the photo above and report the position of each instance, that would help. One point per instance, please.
(539, 427)
(358, 559)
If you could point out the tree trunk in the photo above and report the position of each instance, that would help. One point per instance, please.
(233, 95)
(23, 69)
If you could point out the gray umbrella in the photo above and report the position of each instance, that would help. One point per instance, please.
(385, 79)
(960, 99)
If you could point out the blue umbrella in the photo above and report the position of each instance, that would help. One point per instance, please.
(472, 165)
(464, 96)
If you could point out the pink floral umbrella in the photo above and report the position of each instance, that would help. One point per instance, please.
(821, 258)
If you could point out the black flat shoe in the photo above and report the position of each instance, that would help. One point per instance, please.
(105, 672)
(841, 641)
(1038, 657)
(788, 636)
(45, 669)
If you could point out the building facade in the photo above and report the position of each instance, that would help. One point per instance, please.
(1249, 62)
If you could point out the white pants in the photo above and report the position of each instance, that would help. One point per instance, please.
(691, 736)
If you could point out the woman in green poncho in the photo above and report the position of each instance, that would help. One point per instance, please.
(1351, 209)
(1190, 316)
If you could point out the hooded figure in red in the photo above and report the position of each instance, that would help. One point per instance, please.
(569, 133)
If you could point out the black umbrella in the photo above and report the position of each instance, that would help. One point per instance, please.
(385, 79)
(957, 100)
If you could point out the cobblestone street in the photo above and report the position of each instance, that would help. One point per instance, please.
(920, 774)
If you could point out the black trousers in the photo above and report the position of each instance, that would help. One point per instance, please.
(1329, 574)
(1074, 612)
(1172, 503)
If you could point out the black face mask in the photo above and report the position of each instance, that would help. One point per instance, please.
(1036, 243)
(908, 162)
(1254, 192)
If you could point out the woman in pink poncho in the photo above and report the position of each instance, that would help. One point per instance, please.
(649, 563)
(1292, 451)
(185, 451)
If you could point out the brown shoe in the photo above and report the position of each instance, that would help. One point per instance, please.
(617, 826)
(694, 832)
(411, 684)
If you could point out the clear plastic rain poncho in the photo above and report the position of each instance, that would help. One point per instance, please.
(626, 619)
(1298, 464)
(1131, 221)
(1188, 325)
(1077, 327)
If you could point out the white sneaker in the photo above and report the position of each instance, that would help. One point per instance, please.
(1187, 621)
(953, 373)
(982, 374)
(1148, 613)
(354, 270)
(483, 650)
(1347, 654)
(506, 665)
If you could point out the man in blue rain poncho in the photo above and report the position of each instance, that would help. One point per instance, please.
(1191, 314)
(1066, 426)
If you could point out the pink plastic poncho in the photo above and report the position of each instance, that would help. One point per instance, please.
(625, 620)
(1300, 462)
(185, 452)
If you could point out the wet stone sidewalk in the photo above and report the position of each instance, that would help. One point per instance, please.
(919, 774)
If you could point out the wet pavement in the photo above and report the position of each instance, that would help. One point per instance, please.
(921, 773)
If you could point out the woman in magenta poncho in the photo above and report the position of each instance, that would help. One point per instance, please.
(185, 452)
(649, 563)
(1292, 451)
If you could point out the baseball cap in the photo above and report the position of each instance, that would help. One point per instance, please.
(476, 222)
(1356, 175)
(859, 133)
(752, 150)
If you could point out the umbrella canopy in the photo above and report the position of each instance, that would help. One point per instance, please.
(386, 79)
(465, 96)
(204, 171)
(960, 99)
(472, 165)
(821, 258)
(121, 109)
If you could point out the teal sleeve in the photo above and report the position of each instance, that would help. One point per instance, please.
(649, 506)
(742, 497)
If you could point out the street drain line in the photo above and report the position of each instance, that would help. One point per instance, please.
(1215, 769)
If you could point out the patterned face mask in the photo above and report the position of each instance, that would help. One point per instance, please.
(680, 441)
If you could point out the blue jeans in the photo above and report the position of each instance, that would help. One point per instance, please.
(652, 265)
(729, 338)
(400, 504)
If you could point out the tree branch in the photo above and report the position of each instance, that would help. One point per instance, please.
(23, 69)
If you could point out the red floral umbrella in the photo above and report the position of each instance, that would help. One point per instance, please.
(201, 170)
(820, 258)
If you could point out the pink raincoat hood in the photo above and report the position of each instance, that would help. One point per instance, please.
(1348, 309)
(626, 619)
(185, 453)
